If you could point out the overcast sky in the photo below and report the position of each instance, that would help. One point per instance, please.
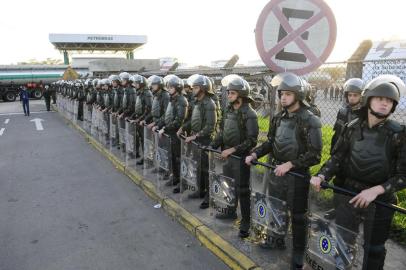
(194, 31)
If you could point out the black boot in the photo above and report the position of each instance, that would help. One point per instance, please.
(205, 202)
(140, 162)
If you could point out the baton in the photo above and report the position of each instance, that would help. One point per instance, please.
(326, 185)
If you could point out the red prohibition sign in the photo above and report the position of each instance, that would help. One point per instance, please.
(294, 35)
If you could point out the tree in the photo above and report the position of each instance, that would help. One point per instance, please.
(48, 61)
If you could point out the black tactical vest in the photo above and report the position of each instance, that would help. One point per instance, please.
(232, 129)
(369, 160)
(286, 143)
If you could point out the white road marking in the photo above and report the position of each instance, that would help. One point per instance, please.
(7, 120)
(2, 131)
(18, 113)
(38, 124)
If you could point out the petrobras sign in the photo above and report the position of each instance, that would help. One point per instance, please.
(95, 38)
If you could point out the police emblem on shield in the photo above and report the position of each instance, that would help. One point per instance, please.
(183, 169)
(326, 244)
(216, 188)
(158, 157)
(261, 209)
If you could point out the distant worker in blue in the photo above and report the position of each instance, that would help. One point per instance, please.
(25, 99)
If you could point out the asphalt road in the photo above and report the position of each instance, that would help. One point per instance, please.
(64, 206)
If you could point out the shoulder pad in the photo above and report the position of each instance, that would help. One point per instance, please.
(250, 112)
(209, 104)
(394, 126)
(148, 93)
(314, 121)
(182, 100)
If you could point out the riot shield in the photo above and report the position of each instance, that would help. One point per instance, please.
(105, 128)
(75, 111)
(100, 130)
(223, 175)
(93, 130)
(163, 164)
(113, 134)
(270, 215)
(190, 156)
(337, 243)
(71, 109)
(88, 121)
(149, 151)
(121, 134)
(130, 142)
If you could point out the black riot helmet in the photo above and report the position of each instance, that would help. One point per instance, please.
(288, 81)
(95, 82)
(124, 76)
(105, 81)
(241, 86)
(204, 83)
(141, 80)
(114, 77)
(176, 83)
(156, 80)
(388, 86)
(354, 85)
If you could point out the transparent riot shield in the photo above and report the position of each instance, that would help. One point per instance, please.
(100, 130)
(75, 111)
(270, 215)
(338, 243)
(190, 155)
(130, 143)
(163, 164)
(93, 128)
(149, 152)
(88, 118)
(71, 109)
(105, 128)
(223, 174)
(121, 134)
(113, 131)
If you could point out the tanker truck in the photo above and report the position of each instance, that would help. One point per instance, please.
(33, 77)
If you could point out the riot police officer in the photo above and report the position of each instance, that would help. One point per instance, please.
(175, 115)
(159, 103)
(80, 98)
(188, 91)
(143, 104)
(200, 128)
(294, 144)
(126, 104)
(372, 150)
(117, 94)
(238, 133)
(348, 112)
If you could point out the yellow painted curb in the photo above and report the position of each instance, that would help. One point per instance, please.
(150, 189)
(134, 175)
(222, 249)
(217, 245)
(188, 221)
